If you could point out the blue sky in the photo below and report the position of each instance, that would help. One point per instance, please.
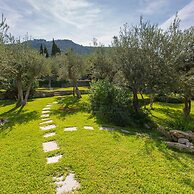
(82, 20)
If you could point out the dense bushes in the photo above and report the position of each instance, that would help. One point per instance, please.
(109, 103)
(112, 104)
(169, 98)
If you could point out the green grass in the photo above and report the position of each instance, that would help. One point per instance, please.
(104, 162)
(61, 89)
(164, 112)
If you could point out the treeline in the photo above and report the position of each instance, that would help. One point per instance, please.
(141, 59)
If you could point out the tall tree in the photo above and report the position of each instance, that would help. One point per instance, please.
(41, 49)
(55, 49)
(46, 52)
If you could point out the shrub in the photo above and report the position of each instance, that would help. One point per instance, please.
(169, 98)
(113, 105)
(181, 123)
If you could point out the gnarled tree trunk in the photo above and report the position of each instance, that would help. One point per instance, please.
(187, 106)
(20, 92)
(135, 101)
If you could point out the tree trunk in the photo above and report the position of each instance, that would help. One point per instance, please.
(187, 107)
(20, 93)
(27, 93)
(135, 101)
(78, 93)
(49, 84)
(151, 101)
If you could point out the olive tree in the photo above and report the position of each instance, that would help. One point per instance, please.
(24, 66)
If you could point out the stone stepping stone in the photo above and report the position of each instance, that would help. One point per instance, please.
(46, 122)
(70, 129)
(48, 105)
(49, 134)
(45, 119)
(125, 131)
(47, 108)
(55, 102)
(107, 128)
(44, 115)
(46, 111)
(47, 127)
(67, 185)
(88, 127)
(50, 146)
(53, 159)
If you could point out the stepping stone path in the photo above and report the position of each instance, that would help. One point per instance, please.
(67, 185)
(88, 127)
(50, 146)
(45, 115)
(53, 159)
(106, 128)
(48, 108)
(47, 127)
(70, 129)
(45, 119)
(45, 111)
(49, 134)
(125, 131)
(46, 122)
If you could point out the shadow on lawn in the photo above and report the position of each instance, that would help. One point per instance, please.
(69, 106)
(16, 116)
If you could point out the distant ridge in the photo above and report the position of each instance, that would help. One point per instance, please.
(64, 45)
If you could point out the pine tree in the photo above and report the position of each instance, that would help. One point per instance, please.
(55, 49)
(46, 52)
(41, 49)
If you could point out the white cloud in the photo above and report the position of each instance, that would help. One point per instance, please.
(150, 7)
(186, 14)
(79, 13)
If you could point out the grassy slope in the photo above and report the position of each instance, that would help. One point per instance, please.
(104, 162)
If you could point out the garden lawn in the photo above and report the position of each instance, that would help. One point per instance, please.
(103, 161)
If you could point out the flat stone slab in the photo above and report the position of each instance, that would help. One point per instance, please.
(67, 185)
(49, 134)
(47, 127)
(47, 108)
(45, 119)
(70, 129)
(50, 146)
(46, 122)
(53, 159)
(48, 105)
(125, 131)
(44, 115)
(89, 127)
(46, 111)
(107, 128)
(55, 102)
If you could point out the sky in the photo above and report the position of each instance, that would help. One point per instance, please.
(83, 20)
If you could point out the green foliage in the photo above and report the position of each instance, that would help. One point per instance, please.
(110, 103)
(169, 98)
(41, 49)
(180, 123)
(55, 49)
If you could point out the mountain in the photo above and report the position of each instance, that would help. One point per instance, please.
(64, 45)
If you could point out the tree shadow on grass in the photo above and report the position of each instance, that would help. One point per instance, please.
(69, 106)
(7, 102)
(16, 116)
